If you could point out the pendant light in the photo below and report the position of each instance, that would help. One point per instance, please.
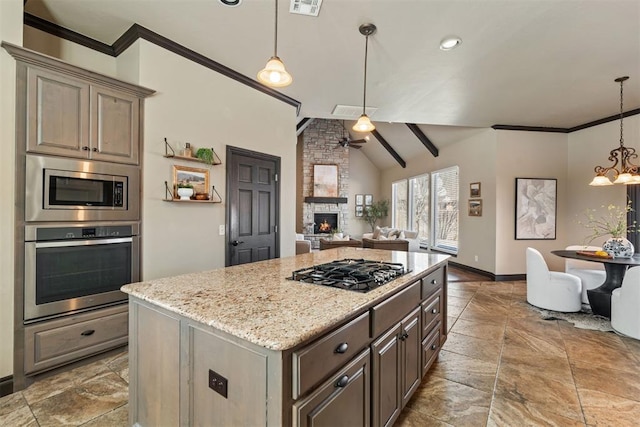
(364, 123)
(274, 74)
(627, 172)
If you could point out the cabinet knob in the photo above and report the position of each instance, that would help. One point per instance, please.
(404, 336)
(343, 381)
(342, 348)
(434, 282)
(433, 346)
(94, 149)
(434, 311)
(85, 148)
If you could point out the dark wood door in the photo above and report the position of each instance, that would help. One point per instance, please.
(253, 206)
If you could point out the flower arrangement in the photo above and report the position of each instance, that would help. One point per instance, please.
(613, 222)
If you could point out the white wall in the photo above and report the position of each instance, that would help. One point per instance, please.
(528, 155)
(197, 105)
(10, 31)
(364, 178)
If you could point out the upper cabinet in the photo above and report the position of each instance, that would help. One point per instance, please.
(73, 112)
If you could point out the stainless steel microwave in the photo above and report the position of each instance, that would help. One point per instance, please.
(61, 189)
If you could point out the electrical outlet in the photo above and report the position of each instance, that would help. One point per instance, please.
(221, 230)
(476, 258)
(218, 383)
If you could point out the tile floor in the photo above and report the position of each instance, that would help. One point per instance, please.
(502, 365)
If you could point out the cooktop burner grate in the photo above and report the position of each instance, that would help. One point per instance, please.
(358, 275)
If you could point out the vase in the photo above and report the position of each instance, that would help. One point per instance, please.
(618, 247)
(185, 193)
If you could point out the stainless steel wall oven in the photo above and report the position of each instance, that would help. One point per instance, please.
(74, 267)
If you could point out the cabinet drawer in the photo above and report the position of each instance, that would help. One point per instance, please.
(319, 359)
(385, 314)
(342, 400)
(54, 343)
(431, 313)
(430, 349)
(432, 282)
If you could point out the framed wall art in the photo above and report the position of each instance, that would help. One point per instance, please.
(325, 180)
(475, 207)
(359, 199)
(535, 211)
(474, 189)
(368, 199)
(197, 178)
(359, 210)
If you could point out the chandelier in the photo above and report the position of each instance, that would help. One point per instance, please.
(623, 168)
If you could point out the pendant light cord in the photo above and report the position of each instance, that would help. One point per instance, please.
(621, 115)
(364, 96)
(275, 38)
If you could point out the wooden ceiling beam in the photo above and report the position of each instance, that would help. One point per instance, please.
(391, 151)
(423, 138)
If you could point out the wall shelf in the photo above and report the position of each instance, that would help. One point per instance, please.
(335, 200)
(170, 153)
(168, 196)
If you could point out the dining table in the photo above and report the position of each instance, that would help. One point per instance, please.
(615, 268)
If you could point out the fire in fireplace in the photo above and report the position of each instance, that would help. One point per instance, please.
(325, 222)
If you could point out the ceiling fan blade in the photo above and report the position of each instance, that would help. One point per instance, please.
(358, 141)
(357, 147)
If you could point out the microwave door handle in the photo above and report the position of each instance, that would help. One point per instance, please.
(70, 243)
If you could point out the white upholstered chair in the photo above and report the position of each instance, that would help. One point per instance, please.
(625, 304)
(591, 274)
(302, 246)
(552, 290)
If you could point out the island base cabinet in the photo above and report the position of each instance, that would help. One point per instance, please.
(341, 401)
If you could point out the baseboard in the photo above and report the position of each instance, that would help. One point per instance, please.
(6, 386)
(489, 275)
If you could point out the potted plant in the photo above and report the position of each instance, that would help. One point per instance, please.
(375, 212)
(185, 191)
(205, 154)
(613, 223)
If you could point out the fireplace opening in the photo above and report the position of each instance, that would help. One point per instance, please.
(325, 223)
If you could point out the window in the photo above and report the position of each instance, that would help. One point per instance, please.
(445, 209)
(428, 204)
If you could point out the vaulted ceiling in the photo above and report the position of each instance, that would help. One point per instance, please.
(521, 62)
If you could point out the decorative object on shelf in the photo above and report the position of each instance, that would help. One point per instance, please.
(197, 178)
(475, 207)
(170, 153)
(536, 208)
(325, 180)
(187, 150)
(374, 212)
(185, 191)
(613, 223)
(368, 199)
(624, 171)
(364, 123)
(274, 74)
(474, 189)
(359, 199)
(170, 195)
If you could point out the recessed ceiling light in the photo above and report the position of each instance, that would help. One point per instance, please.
(450, 42)
(230, 3)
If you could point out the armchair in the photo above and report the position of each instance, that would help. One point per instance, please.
(302, 246)
(551, 290)
(625, 300)
(591, 274)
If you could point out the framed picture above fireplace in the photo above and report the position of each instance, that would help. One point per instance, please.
(325, 180)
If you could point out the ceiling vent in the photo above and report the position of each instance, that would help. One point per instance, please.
(351, 111)
(305, 7)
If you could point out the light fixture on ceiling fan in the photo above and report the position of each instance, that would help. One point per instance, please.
(274, 74)
(347, 142)
(364, 123)
(627, 172)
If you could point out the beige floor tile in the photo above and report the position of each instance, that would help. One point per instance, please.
(552, 365)
(487, 331)
(451, 402)
(607, 379)
(509, 413)
(598, 348)
(117, 417)
(603, 409)
(457, 301)
(465, 370)
(461, 293)
(492, 313)
(11, 403)
(465, 286)
(473, 347)
(412, 418)
(496, 287)
(450, 322)
(453, 310)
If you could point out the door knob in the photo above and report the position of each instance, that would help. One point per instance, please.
(236, 243)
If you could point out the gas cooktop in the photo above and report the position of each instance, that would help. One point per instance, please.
(358, 275)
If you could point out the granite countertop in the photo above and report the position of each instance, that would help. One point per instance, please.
(256, 302)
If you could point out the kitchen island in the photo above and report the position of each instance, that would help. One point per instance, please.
(245, 345)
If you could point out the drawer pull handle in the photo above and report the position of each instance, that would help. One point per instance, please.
(85, 148)
(342, 348)
(433, 346)
(434, 311)
(343, 381)
(94, 149)
(404, 336)
(88, 332)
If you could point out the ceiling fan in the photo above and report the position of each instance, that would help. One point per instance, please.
(346, 140)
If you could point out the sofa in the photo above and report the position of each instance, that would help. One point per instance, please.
(392, 239)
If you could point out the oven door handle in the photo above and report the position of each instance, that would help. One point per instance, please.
(71, 243)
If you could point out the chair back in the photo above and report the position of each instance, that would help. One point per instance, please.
(537, 269)
(578, 264)
(631, 284)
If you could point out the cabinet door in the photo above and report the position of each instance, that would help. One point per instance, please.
(114, 125)
(386, 378)
(341, 401)
(58, 114)
(411, 350)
